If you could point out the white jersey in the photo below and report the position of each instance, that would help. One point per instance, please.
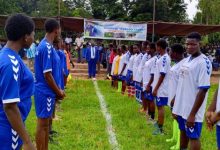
(194, 75)
(173, 77)
(153, 70)
(162, 67)
(218, 103)
(148, 70)
(131, 62)
(139, 75)
(113, 65)
(124, 61)
(137, 61)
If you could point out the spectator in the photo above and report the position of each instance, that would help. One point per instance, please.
(79, 45)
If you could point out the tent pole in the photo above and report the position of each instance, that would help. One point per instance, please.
(154, 11)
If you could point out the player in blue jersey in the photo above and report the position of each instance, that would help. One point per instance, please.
(16, 84)
(47, 85)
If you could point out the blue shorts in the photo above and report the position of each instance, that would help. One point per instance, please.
(9, 139)
(128, 78)
(218, 135)
(122, 78)
(114, 77)
(193, 132)
(161, 101)
(149, 96)
(44, 105)
(138, 86)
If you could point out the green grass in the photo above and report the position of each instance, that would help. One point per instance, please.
(83, 125)
(131, 128)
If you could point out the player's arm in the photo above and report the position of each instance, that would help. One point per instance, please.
(198, 102)
(203, 86)
(52, 84)
(47, 70)
(13, 114)
(149, 83)
(160, 81)
(123, 68)
(10, 97)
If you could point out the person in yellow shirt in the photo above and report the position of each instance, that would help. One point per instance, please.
(115, 67)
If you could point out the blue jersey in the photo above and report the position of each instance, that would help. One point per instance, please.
(16, 84)
(46, 60)
(64, 71)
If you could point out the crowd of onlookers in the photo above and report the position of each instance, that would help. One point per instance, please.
(78, 47)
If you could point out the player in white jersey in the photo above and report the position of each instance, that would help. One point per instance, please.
(213, 115)
(129, 75)
(137, 61)
(148, 77)
(160, 90)
(123, 67)
(139, 75)
(113, 67)
(191, 94)
(177, 56)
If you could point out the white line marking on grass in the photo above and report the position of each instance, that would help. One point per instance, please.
(112, 137)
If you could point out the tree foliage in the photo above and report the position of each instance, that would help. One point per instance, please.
(131, 10)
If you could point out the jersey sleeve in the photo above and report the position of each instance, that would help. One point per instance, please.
(204, 74)
(66, 73)
(10, 84)
(126, 59)
(164, 66)
(47, 60)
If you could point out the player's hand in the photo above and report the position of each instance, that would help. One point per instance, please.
(208, 120)
(213, 118)
(174, 116)
(61, 94)
(155, 92)
(190, 121)
(29, 146)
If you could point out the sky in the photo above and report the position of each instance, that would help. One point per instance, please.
(191, 8)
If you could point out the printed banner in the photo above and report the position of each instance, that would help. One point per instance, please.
(115, 30)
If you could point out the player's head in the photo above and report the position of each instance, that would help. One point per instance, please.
(110, 46)
(119, 51)
(131, 49)
(161, 46)
(123, 49)
(20, 27)
(193, 43)
(145, 46)
(176, 52)
(92, 42)
(52, 26)
(152, 47)
(136, 48)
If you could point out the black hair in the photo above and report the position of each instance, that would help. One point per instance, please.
(146, 43)
(131, 49)
(177, 48)
(194, 35)
(152, 46)
(50, 25)
(162, 43)
(111, 45)
(138, 45)
(17, 26)
(123, 47)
